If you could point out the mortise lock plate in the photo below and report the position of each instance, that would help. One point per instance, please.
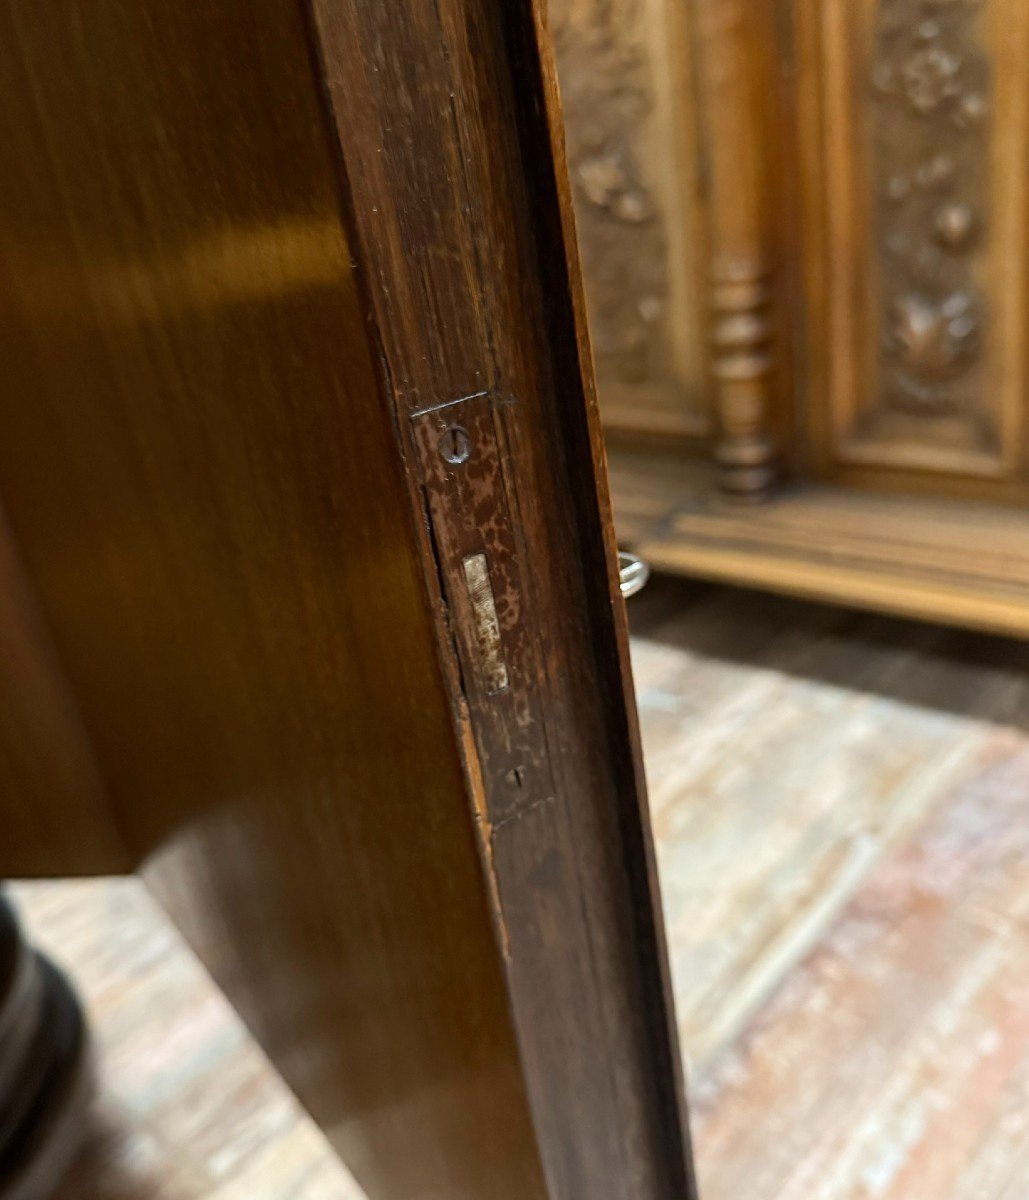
(463, 448)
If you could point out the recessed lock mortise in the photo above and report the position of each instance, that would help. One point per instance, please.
(485, 578)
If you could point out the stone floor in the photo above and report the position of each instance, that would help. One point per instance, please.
(841, 804)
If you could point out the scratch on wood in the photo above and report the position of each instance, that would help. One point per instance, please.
(431, 408)
(484, 828)
(521, 812)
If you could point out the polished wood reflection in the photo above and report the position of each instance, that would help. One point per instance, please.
(202, 482)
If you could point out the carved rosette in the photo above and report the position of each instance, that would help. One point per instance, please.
(932, 92)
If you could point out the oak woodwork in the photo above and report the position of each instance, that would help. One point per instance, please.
(502, 357)
(903, 555)
(864, 194)
(629, 92)
(913, 145)
(300, 452)
(199, 468)
(742, 277)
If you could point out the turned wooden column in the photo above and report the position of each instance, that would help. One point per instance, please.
(733, 42)
(45, 1080)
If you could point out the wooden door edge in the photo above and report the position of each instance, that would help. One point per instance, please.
(492, 63)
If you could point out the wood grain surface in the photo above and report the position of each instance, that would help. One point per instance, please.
(937, 560)
(201, 475)
(860, 189)
(57, 808)
(251, 250)
(489, 338)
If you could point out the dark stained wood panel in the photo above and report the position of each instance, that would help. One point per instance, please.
(464, 250)
(201, 472)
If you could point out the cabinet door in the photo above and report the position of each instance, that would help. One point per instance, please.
(912, 121)
(299, 452)
(629, 91)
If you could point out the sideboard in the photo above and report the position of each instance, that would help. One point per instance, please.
(803, 232)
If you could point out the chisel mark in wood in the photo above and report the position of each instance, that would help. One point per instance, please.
(487, 627)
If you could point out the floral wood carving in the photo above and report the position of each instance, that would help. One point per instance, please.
(932, 93)
(608, 101)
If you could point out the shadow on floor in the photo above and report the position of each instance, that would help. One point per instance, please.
(968, 674)
(109, 1167)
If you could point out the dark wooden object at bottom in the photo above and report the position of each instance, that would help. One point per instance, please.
(44, 1068)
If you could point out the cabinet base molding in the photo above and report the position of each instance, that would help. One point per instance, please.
(947, 561)
(655, 417)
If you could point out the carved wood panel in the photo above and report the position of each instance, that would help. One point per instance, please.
(931, 100)
(627, 87)
(912, 126)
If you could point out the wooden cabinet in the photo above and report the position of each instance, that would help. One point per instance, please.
(308, 595)
(836, 194)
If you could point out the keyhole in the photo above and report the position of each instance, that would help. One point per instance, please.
(455, 445)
